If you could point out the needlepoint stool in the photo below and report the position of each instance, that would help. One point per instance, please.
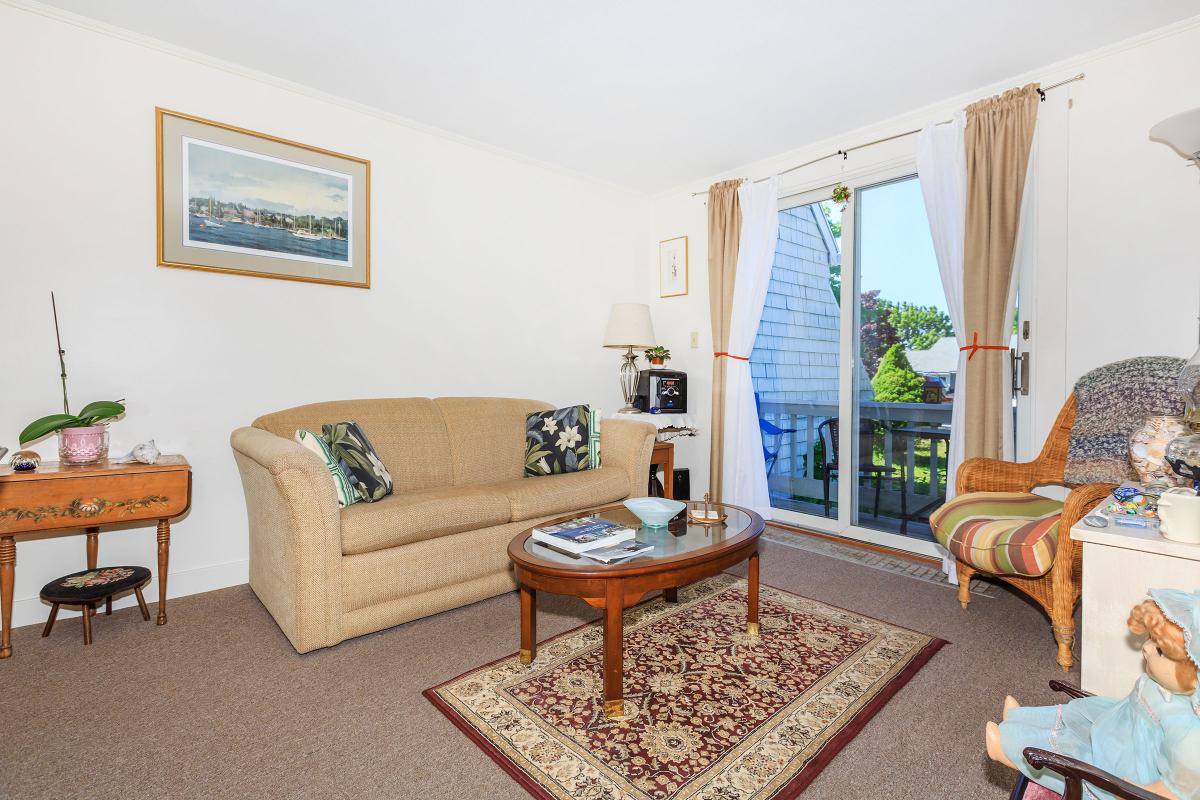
(87, 587)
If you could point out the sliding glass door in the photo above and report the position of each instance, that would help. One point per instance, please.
(854, 366)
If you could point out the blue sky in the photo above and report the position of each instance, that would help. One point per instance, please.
(896, 251)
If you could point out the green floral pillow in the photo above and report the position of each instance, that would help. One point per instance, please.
(562, 440)
(346, 495)
(358, 461)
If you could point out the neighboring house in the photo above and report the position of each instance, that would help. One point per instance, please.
(938, 361)
(796, 352)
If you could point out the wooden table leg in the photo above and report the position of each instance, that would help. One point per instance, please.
(8, 566)
(87, 612)
(614, 692)
(93, 547)
(752, 595)
(164, 547)
(671, 595)
(528, 624)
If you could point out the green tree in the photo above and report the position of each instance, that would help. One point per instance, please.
(876, 333)
(919, 327)
(895, 381)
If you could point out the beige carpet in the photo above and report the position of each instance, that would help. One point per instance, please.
(217, 704)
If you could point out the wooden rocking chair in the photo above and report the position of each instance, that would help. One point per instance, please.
(1058, 590)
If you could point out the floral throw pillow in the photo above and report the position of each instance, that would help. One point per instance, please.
(346, 495)
(358, 461)
(562, 440)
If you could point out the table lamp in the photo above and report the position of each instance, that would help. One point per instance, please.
(629, 326)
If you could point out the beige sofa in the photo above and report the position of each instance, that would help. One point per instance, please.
(439, 541)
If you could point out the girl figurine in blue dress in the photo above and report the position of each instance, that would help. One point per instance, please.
(1151, 737)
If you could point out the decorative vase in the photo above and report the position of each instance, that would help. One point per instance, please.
(1148, 448)
(83, 445)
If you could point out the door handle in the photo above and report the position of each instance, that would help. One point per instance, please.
(1020, 372)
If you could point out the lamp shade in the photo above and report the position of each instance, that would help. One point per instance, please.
(1181, 131)
(629, 325)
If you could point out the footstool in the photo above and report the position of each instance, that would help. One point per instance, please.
(87, 587)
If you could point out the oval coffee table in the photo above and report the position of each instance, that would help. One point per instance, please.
(683, 553)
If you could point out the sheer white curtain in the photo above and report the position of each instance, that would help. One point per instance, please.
(942, 171)
(744, 470)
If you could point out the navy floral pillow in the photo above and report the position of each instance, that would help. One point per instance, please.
(562, 440)
(357, 460)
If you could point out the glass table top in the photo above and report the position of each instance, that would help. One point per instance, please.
(677, 539)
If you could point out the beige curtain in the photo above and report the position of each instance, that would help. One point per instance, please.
(724, 231)
(998, 138)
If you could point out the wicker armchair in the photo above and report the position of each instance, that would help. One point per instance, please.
(1057, 592)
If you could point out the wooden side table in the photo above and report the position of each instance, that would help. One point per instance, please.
(663, 456)
(64, 500)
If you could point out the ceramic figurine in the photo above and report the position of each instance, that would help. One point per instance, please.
(1151, 737)
(145, 453)
(25, 461)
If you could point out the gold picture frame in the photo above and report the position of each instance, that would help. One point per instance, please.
(242, 202)
(673, 267)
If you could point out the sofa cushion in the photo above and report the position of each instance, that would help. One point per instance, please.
(561, 440)
(416, 516)
(1004, 533)
(558, 494)
(487, 436)
(407, 433)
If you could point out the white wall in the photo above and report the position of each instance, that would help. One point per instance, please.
(491, 275)
(1118, 244)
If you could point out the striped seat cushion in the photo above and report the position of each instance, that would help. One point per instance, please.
(1005, 533)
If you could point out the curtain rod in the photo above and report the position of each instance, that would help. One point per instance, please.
(845, 153)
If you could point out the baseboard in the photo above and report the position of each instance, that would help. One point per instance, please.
(32, 611)
(848, 542)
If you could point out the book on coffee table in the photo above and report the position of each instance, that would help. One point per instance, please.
(583, 534)
(619, 552)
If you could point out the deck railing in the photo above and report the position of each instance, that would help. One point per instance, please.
(797, 470)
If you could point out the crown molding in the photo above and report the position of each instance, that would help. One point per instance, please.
(931, 112)
(151, 43)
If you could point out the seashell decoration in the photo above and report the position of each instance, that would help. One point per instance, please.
(145, 453)
(1148, 448)
(25, 461)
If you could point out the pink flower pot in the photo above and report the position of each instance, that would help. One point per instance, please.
(83, 445)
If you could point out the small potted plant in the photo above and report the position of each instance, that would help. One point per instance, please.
(841, 195)
(657, 355)
(82, 437)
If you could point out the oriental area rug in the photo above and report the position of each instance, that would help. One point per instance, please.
(710, 712)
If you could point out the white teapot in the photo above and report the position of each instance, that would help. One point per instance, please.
(1179, 515)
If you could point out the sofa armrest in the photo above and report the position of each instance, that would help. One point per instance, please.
(295, 536)
(627, 444)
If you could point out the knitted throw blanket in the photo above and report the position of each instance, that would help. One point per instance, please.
(1110, 403)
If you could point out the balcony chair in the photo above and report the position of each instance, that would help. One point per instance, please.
(997, 527)
(1073, 771)
(770, 429)
(867, 468)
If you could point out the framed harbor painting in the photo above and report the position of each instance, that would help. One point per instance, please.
(673, 267)
(233, 200)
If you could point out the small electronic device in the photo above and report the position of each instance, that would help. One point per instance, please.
(661, 391)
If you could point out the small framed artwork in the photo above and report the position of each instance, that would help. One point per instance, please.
(673, 267)
(246, 203)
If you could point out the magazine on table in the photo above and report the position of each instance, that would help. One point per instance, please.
(620, 552)
(582, 534)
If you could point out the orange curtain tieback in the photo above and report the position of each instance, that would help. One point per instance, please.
(975, 346)
(731, 355)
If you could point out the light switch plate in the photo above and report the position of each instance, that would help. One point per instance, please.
(695, 340)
